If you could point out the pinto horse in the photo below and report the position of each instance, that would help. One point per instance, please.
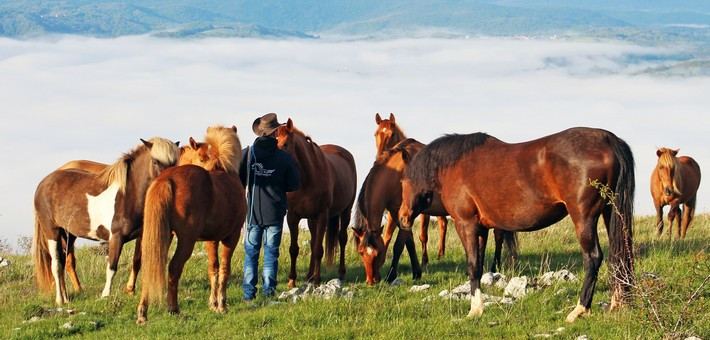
(325, 198)
(675, 181)
(486, 183)
(194, 204)
(382, 191)
(106, 206)
(387, 135)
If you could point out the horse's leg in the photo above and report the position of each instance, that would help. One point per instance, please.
(443, 222)
(423, 237)
(586, 228)
(389, 229)
(498, 235)
(212, 272)
(476, 237)
(343, 237)
(679, 220)
(71, 263)
(688, 214)
(412, 250)
(131, 284)
(115, 245)
(225, 269)
(292, 221)
(319, 225)
(396, 253)
(659, 217)
(56, 253)
(183, 252)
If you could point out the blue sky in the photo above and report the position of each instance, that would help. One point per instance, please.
(82, 98)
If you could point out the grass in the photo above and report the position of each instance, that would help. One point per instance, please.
(388, 312)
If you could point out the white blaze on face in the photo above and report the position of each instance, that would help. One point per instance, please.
(101, 209)
(369, 251)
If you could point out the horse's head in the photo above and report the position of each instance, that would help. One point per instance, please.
(386, 129)
(371, 248)
(197, 153)
(668, 171)
(163, 154)
(288, 137)
(414, 201)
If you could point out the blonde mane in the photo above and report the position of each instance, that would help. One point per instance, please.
(225, 147)
(163, 150)
(668, 159)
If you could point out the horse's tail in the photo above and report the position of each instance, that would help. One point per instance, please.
(156, 237)
(510, 241)
(331, 239)
(41, 258)
(621, 255)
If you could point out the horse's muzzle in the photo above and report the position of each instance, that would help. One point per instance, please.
(668, 191)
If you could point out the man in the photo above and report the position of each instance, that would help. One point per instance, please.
(267, 173)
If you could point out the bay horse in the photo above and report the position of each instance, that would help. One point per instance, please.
(106, 206)
(387, 135)
(194, 204)
(486, 183)
(675, 181)
(382, 191)
(325, 198)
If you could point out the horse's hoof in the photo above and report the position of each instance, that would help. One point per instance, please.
(130, 291)
(417, 275)
(577, 312)
(174, 311)
(291, 283)
(141, 320)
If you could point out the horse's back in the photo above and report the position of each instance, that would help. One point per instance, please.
(342, 165)
(86, 165)
(691, 175)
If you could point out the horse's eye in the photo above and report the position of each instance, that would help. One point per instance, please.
(661, 167)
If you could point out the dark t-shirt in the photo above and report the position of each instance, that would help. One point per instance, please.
(272, 173)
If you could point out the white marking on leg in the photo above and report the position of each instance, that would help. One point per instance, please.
(476, 303)
(101, 210)
(577, 312)
(54, 254)
(109, 279)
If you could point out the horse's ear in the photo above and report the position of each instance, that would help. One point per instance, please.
(177, 144)
(675, 152)
(391, 117)
(289, 125)
(234, 128)
(358, 232)
(658, 153)
(378, 119)
(193, 143)
(147, 143)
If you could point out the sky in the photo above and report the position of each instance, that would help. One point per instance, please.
(66, 98)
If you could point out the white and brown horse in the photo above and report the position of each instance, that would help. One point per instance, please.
(106, 206)
(675, 182)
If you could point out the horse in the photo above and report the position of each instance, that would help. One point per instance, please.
(194, 204)
(486, 183)
(106, 206)
(387, 135)
(325, 198)
(675, 181)
(382, 191)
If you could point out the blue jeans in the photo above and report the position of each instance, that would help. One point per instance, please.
(271, 237)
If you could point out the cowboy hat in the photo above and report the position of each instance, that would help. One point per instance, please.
(265, 125)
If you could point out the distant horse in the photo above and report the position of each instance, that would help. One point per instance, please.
(106, 206)
(325, 198)
(382, 191)
(387, 135)
(486, 183)
(195, 205)
(675, 181)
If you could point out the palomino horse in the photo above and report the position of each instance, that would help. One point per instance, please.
(387, 135)
(382, 191)
(106, 206)
(326, 197)
(194, 204)
(486, 183)
(675, 181)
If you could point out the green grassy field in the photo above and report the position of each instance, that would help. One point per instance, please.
(390, 312)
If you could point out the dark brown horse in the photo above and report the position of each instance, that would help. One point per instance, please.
(486, 183)
(387, 135)
(106, 206)
(195, 205)
(675, 181)
(326, 197)
(382, 191)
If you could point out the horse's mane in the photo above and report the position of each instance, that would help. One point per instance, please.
(670, 161)
(225, 147)
(423, 169)
(163, 150)
(396, 149)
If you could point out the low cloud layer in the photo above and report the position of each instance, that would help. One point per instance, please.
(80, 98)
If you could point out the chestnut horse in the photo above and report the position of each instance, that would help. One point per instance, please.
(106, 206)
(675, 181)
(387, 135)
(194, 204)
(382, 191)
(486, 183)
(325, 198)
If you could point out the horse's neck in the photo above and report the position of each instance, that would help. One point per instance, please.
(137, 184)
(309, 158)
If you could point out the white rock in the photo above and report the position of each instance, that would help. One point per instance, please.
(517, 287)
(335, 283)
(444, 292)
(4, 262)
(547, 279)
(67, 325)
(462, 289)
(396, 282)
(565, 275)
(582, 337)
(560, 329)
(348, 295)
(502, 282)
(428, 298)
(693, 338)
(32, 319)
(489, 279)
(199, 254)
(274, 303)
(542, 336)
(419, 288)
